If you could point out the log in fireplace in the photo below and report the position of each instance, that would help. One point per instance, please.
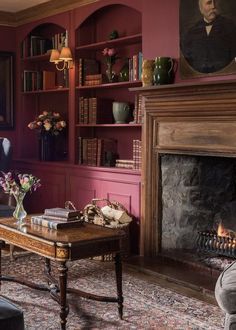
(181, 119)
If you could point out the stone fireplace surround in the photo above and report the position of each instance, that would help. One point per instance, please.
(181, 119)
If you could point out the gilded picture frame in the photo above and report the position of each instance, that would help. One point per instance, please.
(6, 90)
(205, 53)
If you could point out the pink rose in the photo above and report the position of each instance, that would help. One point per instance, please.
(111, 52)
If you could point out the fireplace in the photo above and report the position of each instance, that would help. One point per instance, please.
(187, 124)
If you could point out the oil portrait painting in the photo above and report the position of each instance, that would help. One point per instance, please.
(207, 37)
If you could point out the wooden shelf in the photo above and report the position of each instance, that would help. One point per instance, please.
(110, 169)
(108, 125)
(43, 57)
(119, 42)
(57, 90)
(122, 84)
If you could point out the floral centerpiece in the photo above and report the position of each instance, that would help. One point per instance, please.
(110, 57)
(49, 125)
(48, 121)
(18, 185)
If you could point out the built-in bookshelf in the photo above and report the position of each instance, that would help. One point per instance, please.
(95, 94)
(101, 157)
(41, 81)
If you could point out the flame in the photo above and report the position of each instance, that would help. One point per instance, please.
(223, 232)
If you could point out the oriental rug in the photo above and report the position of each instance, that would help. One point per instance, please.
(146, 304)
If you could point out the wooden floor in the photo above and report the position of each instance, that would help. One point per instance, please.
(177, 276)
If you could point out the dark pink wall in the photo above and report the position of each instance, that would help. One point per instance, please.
(161, 34)
(160, 28)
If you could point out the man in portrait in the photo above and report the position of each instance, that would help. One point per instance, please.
(210, 44)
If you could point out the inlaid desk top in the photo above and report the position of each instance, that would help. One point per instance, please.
(86, 240)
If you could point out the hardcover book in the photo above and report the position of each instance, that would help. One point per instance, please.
(54, 224)
(62, 212)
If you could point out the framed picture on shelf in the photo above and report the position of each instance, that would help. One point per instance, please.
(207, 38)
(6, 90)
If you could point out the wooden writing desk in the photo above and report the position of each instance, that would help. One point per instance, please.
(86, 240)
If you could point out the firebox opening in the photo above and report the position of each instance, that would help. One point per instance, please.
(198, 194)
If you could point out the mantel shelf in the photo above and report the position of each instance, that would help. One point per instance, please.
(57, 90)
(128, 40)
(108, 125)
(113, 85)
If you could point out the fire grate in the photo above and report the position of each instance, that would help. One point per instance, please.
(211, 242)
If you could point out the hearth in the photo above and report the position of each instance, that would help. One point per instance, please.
(198, 193)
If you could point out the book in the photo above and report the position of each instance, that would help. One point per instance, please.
(62, 212)
(53, 217)
(54, 224)
(49, 80)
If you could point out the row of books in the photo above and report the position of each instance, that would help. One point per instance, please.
(138, 113)
(135, 67)
(89, 70)
(135, 163)
(87, 67)
(35, 45)
(137, 154)
(96, 151)
(38, 80)
(94, 110)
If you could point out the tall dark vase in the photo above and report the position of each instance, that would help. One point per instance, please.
(47, 147)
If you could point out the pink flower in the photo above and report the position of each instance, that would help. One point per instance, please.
(111, 52)
(110, 55)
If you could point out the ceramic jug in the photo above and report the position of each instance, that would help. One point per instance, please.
(121, 112)
(164, 71)
(147, 72)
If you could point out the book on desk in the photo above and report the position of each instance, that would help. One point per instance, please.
(42, 220)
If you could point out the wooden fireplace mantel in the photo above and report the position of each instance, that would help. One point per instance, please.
(193, 119)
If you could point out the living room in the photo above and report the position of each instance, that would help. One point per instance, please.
(169, 164)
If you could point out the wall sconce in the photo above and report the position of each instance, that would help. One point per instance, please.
(64, 56)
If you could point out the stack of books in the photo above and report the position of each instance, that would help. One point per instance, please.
(125, 163)
(58, 218)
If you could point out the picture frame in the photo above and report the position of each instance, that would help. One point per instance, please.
(190, 18)
(6, 90)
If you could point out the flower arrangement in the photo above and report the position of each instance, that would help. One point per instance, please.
(18, 185)
(50, 122)
(110, 55)
(14, 184)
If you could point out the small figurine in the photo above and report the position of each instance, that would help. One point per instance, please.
(114, 35)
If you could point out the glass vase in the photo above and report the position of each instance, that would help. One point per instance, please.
(19, 213)
(109, 73)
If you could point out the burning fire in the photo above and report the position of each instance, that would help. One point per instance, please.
(223, 232)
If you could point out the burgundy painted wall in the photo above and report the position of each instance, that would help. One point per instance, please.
(160, 27)
(161, 34)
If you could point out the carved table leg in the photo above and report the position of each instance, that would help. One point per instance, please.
(47, 266)
(12, 257)
(2, 245)
(118, 266)
(63, 287)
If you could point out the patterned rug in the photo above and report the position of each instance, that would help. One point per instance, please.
(146, 305)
